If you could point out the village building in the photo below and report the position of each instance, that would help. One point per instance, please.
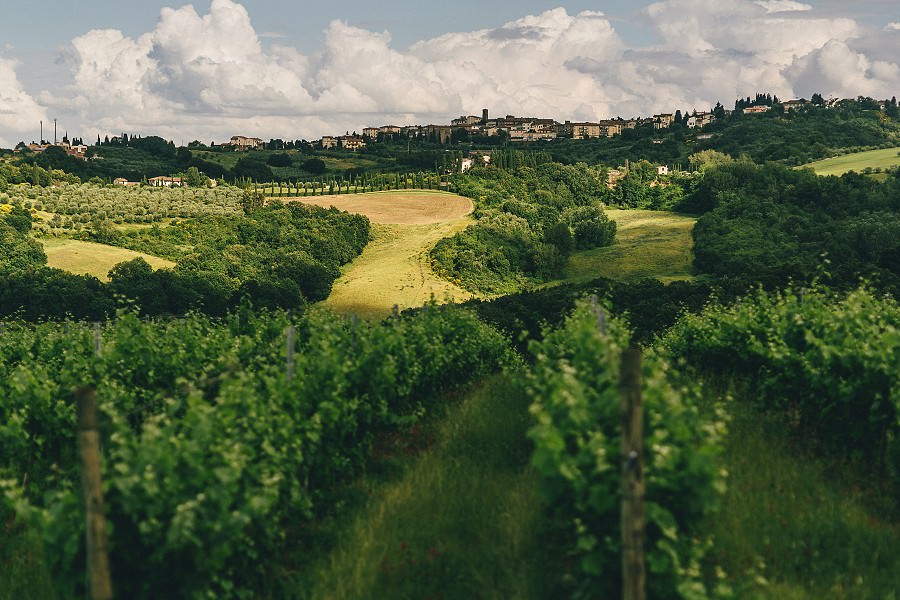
(241, 143)
(165, 181)
(663, 121)
(700, 120)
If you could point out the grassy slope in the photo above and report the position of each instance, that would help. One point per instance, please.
(394, 267)
(884, 158)
(648, 244)
(461, 521)
(412, 207)
(90, 258)
(793, 526)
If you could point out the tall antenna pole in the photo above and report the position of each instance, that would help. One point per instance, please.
(54, 132)
(41, 141)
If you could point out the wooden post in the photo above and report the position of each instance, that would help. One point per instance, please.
(99, 580)
(632, 447)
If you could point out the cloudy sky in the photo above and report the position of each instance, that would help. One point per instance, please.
(284, 68)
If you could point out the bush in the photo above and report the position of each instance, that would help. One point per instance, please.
(574, 386)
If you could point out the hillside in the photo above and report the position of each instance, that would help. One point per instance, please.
(652, 244)
(884, 158)
(91, 258)
(394, 268)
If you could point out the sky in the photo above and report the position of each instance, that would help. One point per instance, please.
(209, 69)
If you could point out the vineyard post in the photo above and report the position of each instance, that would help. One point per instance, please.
(632, 452)
(289, 361)
(99, 580)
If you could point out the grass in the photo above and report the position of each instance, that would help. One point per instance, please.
(412, 207)
(648, 244)
(90, 258)
(462, 520)
(858, 161)
(795, 526)
(394, 268)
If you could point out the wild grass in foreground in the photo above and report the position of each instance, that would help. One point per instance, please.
(797, 526)
(463, 520)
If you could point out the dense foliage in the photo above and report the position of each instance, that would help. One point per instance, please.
(75, 208)
(277, 255)
(830, 366)
(770, 224)
(574, 386)
(795, 137)
(221, 442)
(529, 222)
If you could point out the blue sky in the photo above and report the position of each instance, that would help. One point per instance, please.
(208, 69)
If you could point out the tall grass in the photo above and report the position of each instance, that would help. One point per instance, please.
(797, 526)
(463, 521)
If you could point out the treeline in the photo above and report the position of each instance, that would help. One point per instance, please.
(275, 256)
(769, 224)
(792, 137)
(529, 220)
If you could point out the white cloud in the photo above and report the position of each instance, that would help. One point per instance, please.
(20, 114)
(775, 6)
(209, 76)
(892, 27)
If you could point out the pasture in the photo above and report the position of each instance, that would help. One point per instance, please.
(412, 207)
(90, 258)
(858, 161)
(394, 268)
(648, 244)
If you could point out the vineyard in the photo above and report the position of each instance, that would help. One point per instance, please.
(225, 445)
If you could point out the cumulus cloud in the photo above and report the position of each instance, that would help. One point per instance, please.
(208, 76)
(774, 6)
(892, 27)
(20, 113)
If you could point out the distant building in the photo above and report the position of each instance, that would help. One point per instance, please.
(756, 110)
(352, 142)
(371, 132)
(165, 181)
(328, 142)
(242, 143)
(790, 105)
(663, 121)
(700, 120)
(662, 170)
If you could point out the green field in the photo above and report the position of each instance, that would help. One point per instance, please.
(89, 258)
(648, 244)
(394, 269)
(858, 161)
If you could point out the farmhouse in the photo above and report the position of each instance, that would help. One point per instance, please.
(756, 110)
(241, 143)
(165, 181)
(328, 142)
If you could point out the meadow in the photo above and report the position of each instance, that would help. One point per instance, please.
(91, 258)
(394, 268)
(648, 243)
(883, 158)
